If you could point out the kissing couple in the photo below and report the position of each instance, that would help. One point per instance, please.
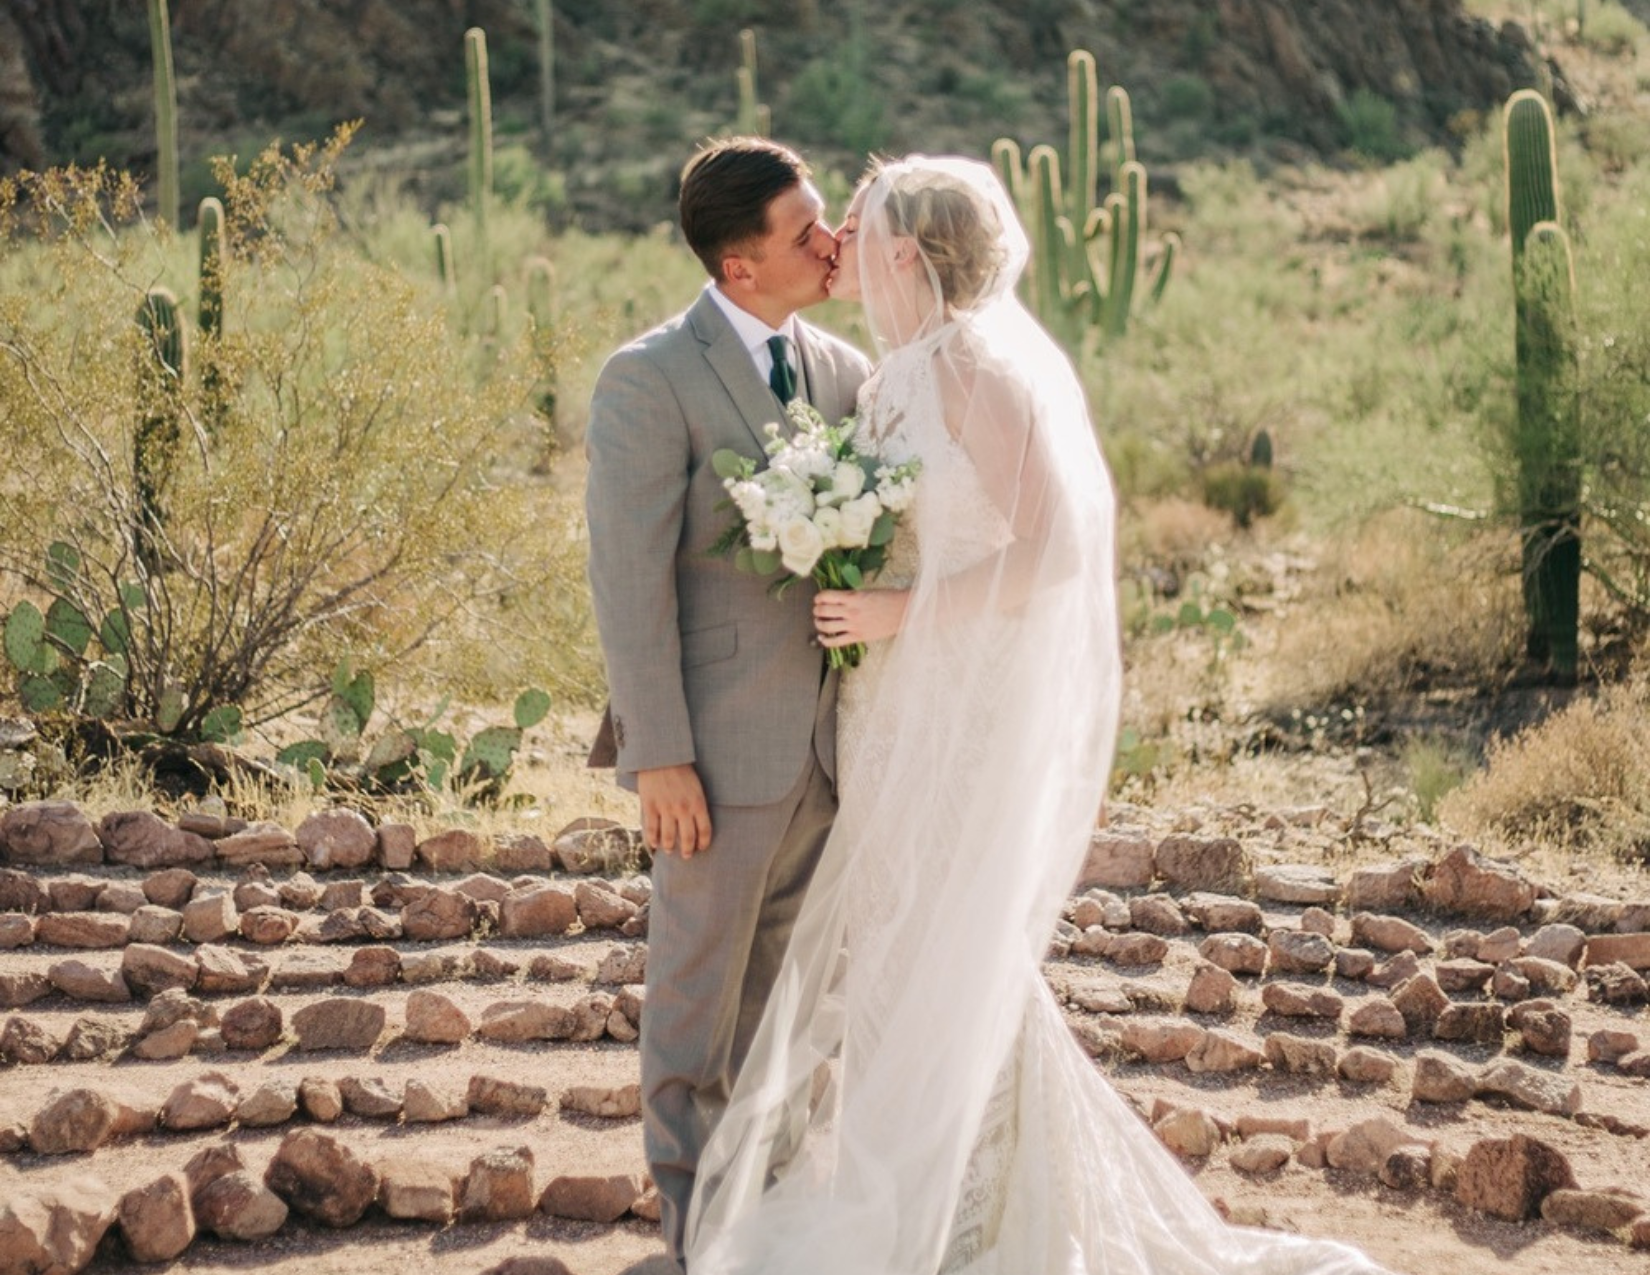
(851, 1063)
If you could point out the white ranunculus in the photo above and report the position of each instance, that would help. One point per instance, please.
(749, 498)
(788, 497)
(857, 517)
(897, 496)
(763, 540)
(828, 522)
(800, 545)
(847, 481)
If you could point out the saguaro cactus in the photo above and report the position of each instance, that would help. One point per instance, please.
(755, 120)
(1547, 434)
(161, 366)
(546, 16)
(444, 267)
(1086, 259)
(214, 391)
(541, 302)
(481, 136)
(166, 112)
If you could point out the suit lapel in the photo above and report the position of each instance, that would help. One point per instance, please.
(818, 373)
(732, 363)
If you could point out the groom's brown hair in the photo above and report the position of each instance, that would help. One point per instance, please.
(726, 190)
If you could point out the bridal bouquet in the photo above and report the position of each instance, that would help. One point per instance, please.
(821, 509)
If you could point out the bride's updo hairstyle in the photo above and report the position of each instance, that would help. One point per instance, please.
(960, 236)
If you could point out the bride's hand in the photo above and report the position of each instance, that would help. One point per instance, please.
(843, 617)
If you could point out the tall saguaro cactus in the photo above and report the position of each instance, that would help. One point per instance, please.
(755, 119)
(166, 112)
(1547, 433)
(161, 367)
(481, 138)
(214, 388)
(546, 15)
(1086, 259)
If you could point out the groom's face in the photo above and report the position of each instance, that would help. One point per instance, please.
(787, 268)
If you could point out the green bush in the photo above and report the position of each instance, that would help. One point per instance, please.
(1611, 29)
(1247, 492)
(1369, 127)
(1187, 96)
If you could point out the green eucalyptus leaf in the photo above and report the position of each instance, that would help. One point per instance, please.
(745, 560)
(764, 562)
(729, 464)
(852, 577)
(531, 707)
(882, 530)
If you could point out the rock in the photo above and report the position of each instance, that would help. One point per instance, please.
(370, 1099)
(74, 893)
(1508, 984)
(1317, 921)
(493, 1096)
(1420, 1000)
(1300, 1055)
(157, 1221)
(269, 926)
(1384, 887)
(1463, 975)
(1406, 1168)
(590, 1016)
(553, 967)
(373, 967)
(121, 896)
(339, 1022)
(237, 1206)
(522, 852)
(20, 892)
(1525, 1086)
(533, 1265)
(1545, 1028)
(83, 929)
(625, 963)
(396, 844)
(320, 1098)
(1592, 1210)
(586, 846)
(224, 970)
(307, 970)
(1222, 1051)
(82, 981)
(210, 918)
(427, 1103)
(1188, 1132)
(173, 1006)
(336, 838)
(602, 1102)
(1631, 950)
(1297, 883)
(254, 1024)
(1377, 1017)
(1266, 1153)
(434, 967)
(94, 1037)
(267, 844)
(1616, 984)
(1365, 1146)
(434, 1019)
(1480, 1024)
(1160, 1040)
(169, 1042)
(1201, 863)
(1362, 1065)
(150, 970)
(456, 850)
(49, 833)
(1299, 952)
(1510, 1177)
(499, 1187)
(207, 1102)
(73, 1121)
(1297, 1000)
(55, 1229)
(1158, 914)
(1461, 945)
(1132, 949)
(271, 1103)
(211, 819)
(1562, 943)
(1546, 978)
(343, 894)
(155, 925)
(600, 907)
(517, 1021)
(1469, 884)
(1222, 912)
(1389, 934)
(1610, 1044)
(1590, 913)
(1441, 1077)
(1400, 969)
(256, 894)
(439, 915)
(28, 1043)
(1355, 963)
(1235, 953)
(1117, 861)
(591, 1199)
(141, 840)
(415, 1190)
(322, 1178)
(540, 911)
(1212, 991)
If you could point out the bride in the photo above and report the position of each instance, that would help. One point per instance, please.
(914, 1102)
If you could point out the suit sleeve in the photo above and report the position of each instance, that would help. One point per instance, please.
(635, 501)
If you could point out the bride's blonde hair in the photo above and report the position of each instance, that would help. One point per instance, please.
(958, 235)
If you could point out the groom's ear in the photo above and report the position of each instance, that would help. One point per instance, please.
(736, 271)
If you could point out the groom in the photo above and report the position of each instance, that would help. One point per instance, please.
(720, 717)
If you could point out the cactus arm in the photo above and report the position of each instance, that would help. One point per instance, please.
(1082, 88)
(481, 137)
(443, 239)
(166, 112)
(546, 16)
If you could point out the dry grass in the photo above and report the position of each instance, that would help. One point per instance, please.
(1580, 779)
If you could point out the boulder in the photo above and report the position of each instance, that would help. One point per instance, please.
(1117, 861)
(1469, 884)
(1189, 1132)
(427, 1102)
(1384, 887)
(55, 1229)
(94, 1036)
(1298, 1000)
(336, 838)
(322, 1178)
(1235, 953)
(83, 929)
(522, 852)
(1211, 991)
(1481, 1024)
(1365, 1146)
(494, 1096)
(1631, 950)
(1222, 1051)
(225, 970)
(435, 1019)
(1616, 984)
(339, 1022)
(373, 967)
(155, 925)
(1610, 1044)
(397, 843)
(272, 1103)
(604, 1102)
(499, 1187)
(625, 964)
(49, 833)
(588, 846)
(1297, 883)
(1362, 1065)
(121, 896)
(1354, 963)
(150, 970)
(1299, 952)
(438, 915)
(1300, 1054)
(143, 840)
(206, 1102)
(591, 1198)
(321, 1099)
(1223, 912)
(1562, 943)
(83, 981)
(254, 1024)
(27, 1043)
(266, 844)
(1389, 934)
(268, 926)
(210, 918)
(1265, 1153)
(1608, 1211)
(415, 1190)
(1510, 1177)
(456, 850)
(369, 1098)
(237, 1206)
(1526, 1086)
(1378, 1017)
(1441, 1077)
(22, 892)
(1160, 1040)
(1544, 1028)
(513, 1022)
(1201, 863)
(74, 1121)
(157, 1220)
(1466, 976)
(1420, 1000)
(538, 911)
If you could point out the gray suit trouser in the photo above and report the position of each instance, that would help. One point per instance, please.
(718, 926)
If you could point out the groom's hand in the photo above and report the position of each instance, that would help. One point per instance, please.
(675, 815)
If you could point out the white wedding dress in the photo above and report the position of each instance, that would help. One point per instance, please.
(914, 1103)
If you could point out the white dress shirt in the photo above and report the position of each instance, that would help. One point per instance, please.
(755, 334)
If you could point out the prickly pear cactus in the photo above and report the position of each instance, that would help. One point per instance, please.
(489, 753)
(25, 641)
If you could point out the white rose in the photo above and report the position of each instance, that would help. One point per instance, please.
(788, 497)
(897, 497)
(858, 516)
(847, 481)
(828, 522)
(800, 545)
(750, 499)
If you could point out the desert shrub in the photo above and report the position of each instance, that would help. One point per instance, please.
(1369, 127)
(1581, 778)
(1245, 491)
(1435, 768)
(1398, 201)
(1187, 96)
(362, 495)
(1611, 29)
(830, 101)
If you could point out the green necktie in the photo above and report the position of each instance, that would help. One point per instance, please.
(783, 376)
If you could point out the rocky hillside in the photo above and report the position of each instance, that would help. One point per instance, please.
(639, 81)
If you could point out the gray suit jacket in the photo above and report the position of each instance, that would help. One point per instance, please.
(703, 664)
